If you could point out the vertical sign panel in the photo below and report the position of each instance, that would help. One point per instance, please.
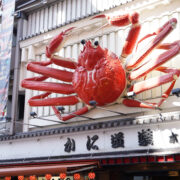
(5, 52)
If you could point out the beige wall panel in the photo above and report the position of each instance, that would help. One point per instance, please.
(42, 20)
(119, 42)
(59, 13)
(37, 29)
(78, 9)
(84, 10)
(104, 41)
(69, 10)
(74, 6)
(105, 4)
(27, 109)
(55, 16)
(89, 7)
(64, 8)
(29, 25)
(33, 25)
(112, 42)
(46, 19)
(94, 6)
(25, 30)
(50, 18)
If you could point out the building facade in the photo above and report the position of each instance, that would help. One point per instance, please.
(138, 144)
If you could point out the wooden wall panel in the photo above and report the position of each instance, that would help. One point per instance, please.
(64, 12)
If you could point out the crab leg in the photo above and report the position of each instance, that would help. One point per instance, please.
(51, 72)
(36, 84)
(64, 62)
(168, 91)
(48, 86)
(139, 87)
(161, 34)
(124, 20)
(71, 115)
(132, 35)
(136, 103)
(59, 101)
(168, 46)
(153, 64)
(120, 20)
(172, 76)
(40, 100)
(131, 40)
(57, 43)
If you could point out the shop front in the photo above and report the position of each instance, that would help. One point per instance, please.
(110, 142)
(131, 148)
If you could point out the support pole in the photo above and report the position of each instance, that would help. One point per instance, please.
(14, 111)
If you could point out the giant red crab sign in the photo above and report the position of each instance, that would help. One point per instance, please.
(100, 76)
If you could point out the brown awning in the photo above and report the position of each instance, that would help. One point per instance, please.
(41, 169)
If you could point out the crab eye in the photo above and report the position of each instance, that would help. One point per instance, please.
(83, 41)
(96, 43)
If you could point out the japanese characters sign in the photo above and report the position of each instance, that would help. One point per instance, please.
(119, 141)
(5, 51)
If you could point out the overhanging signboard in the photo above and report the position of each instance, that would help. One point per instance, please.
(6, 34)
(116, 142)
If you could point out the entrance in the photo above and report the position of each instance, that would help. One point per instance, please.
(144, 171)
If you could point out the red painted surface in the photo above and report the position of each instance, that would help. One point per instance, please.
(143, 159)
(160, 159)
(135, 160)
(151, 159)
(169, 158)
(99, 76)
(127, 160)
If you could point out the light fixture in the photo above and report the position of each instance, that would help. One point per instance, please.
(61, 109)
(48, 176)
(131, 94)
(32, 177)
(77, 176)
(20, 177)
(176, 92)
(33, 114)
(8, 178)
(91, 175)
(62, 175)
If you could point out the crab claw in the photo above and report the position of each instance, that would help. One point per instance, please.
(120, 20)
(57, 43)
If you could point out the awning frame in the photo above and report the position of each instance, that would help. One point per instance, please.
(42, 169)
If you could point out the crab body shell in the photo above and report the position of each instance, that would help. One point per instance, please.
(99, 76)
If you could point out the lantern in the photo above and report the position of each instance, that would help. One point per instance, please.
(62, 175)
(20, 177)
(91, 175)
(32, 177)
(77, 176)
(48, 176)
(8, 178)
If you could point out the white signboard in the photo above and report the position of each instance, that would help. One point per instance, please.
(122, 141)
